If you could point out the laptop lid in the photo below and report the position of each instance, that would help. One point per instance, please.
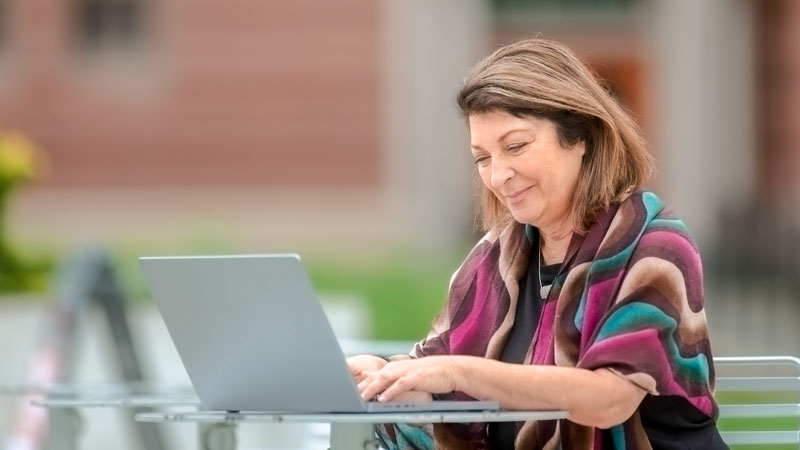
(251, 333)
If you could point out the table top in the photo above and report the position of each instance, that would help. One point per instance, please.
(117, 401)
(80, 389)
(408, 417)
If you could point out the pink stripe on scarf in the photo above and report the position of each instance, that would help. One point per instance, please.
(484, 309)
(596, 307)
(543, 351)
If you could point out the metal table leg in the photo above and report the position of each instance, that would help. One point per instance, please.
(65, 426)
(216, 436)
(353, 436)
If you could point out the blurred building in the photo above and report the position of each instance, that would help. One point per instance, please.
(140, 92)
(336, 120)
(263, 117)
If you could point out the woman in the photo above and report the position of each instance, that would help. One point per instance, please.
(585, 294)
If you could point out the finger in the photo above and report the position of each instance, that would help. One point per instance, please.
(376, 386)
(371, 390)
(384, 377)
(398, 388)
(353, 364)
(361, 375)
(364, 382)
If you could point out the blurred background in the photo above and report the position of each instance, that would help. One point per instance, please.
(329, 128)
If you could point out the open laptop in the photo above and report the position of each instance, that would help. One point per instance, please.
(253, 336)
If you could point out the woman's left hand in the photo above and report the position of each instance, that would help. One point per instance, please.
(432, 374)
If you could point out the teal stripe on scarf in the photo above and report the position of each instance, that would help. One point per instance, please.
(419, 437)
(409, 437)
(672, 224)
(618, 437)
(638, 315)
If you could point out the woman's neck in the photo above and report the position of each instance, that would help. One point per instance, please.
(555, 243)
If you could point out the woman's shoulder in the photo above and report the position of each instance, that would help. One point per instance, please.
(652, 211)
(639, 221)
(659, 225)
(664, 218)
(644, 197)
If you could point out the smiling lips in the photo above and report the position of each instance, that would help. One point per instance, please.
(518, 196)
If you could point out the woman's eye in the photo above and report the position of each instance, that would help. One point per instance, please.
(516, 147)
(481, 160)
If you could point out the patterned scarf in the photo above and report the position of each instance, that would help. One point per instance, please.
(628, 298)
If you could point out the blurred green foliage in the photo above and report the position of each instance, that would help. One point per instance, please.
(20, 161)
(403, 289)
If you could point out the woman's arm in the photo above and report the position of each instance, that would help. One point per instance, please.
(594, 398)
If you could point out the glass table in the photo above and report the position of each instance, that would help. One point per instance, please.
(349, 431)
(65, 404)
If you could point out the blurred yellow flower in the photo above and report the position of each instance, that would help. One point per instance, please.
(19, 158)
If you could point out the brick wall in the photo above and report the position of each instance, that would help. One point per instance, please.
(234, 92)
(779, 98)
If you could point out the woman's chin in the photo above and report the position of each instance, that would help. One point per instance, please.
(524, 217)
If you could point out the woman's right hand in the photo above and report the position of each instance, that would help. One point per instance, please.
(362, 366)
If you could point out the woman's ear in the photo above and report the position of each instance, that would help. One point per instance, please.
(581, 147)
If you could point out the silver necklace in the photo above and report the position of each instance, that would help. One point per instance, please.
(543, 290)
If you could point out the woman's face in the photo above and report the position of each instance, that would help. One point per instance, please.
(522, 162)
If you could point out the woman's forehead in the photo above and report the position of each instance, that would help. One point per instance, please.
(492, 126)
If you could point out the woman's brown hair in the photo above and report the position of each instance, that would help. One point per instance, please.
(541, 78)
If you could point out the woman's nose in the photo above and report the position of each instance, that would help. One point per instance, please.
(501, 172)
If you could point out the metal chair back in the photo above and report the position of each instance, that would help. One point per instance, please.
(759, 410)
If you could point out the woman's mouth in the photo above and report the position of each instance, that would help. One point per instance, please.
(517, 196)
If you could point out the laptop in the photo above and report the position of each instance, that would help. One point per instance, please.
(253, 336)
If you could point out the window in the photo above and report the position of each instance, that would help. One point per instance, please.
(564, 6)
(564, 11)
(109, 23)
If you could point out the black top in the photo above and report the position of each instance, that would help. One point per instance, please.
(529, 309)
(670, 422)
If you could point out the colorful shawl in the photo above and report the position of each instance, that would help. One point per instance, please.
(628, 298)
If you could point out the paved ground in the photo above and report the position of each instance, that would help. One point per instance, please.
(244, 217)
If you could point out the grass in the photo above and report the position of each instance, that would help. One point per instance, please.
(403, 288)
(403, 293)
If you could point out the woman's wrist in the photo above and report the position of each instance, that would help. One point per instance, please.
(463, 372)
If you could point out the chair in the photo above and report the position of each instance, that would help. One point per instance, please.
(760, 411)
